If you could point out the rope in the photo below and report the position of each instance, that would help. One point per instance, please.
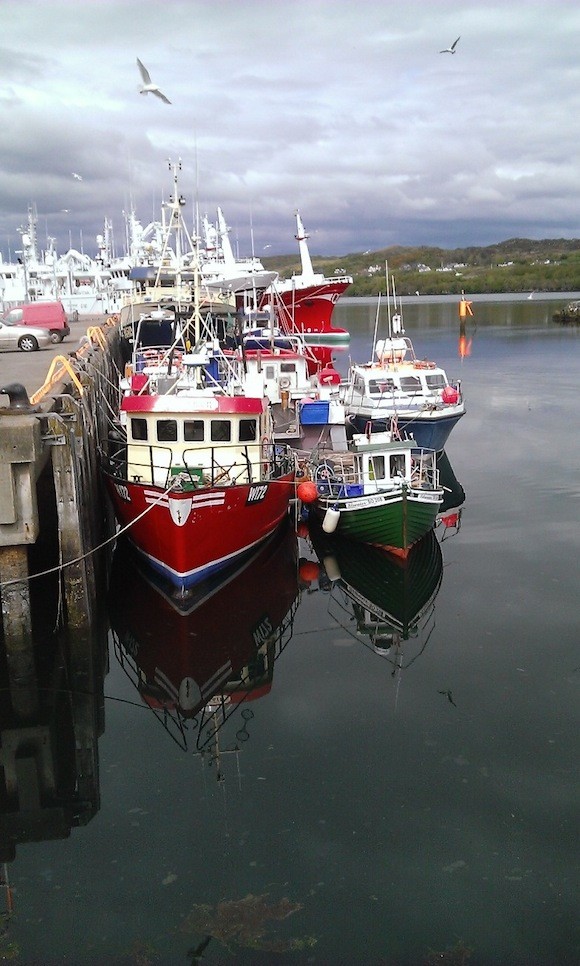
(69, 563)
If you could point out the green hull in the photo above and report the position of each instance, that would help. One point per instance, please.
(394, 521)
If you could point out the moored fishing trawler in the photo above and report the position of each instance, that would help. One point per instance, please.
(305, 302)
(192, 470)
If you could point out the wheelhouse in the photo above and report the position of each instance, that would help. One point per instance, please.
(221, 444)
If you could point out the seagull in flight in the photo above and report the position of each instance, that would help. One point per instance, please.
(77, 176)
(450, 50)
(148, 86)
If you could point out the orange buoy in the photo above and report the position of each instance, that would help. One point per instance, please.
(307, 491)
(464, 308)
(302, 530)
(308, 571)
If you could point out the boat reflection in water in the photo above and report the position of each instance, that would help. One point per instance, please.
(449, 515)
(381, 599)
(195, 658)
(390, 600)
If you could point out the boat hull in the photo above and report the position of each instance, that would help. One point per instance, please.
(308, 309)
(429, 430)
(188, 536)
(394, 521)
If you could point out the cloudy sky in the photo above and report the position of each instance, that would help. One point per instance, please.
(344, 110)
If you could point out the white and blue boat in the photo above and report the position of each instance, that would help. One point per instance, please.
(397, 389)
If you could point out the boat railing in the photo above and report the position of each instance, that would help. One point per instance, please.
(199, 467)
(341, 474)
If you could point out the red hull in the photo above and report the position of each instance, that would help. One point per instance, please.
(187, 536)
(309, 309)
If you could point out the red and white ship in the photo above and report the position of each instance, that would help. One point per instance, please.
(305, 302)
(192, 471)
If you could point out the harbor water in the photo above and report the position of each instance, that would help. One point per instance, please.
(396, 778)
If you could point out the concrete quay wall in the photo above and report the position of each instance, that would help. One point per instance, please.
(49, 476)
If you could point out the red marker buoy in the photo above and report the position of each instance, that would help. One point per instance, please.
(307, 491)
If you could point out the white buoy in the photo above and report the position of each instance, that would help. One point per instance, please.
(331, 567)
(331, 518)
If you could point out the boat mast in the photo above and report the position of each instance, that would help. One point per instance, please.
(301, 237)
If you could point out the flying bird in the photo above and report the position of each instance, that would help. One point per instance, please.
(450, 50)
(77, 176)
(148, 86)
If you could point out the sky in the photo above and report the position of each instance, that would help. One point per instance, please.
(343, 110)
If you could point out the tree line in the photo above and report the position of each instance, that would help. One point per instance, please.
(516, 265)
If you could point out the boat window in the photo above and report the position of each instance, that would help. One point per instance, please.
(377, 387)
(270, 372)
(411, 383)
(221, 430)
(166, 430)
(436, 381)
(287, 367)
(397, 465)
(377, 468)
(139, 429)
(248, 430)
(193, 431)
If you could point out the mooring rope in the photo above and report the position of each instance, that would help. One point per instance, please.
(89, 553)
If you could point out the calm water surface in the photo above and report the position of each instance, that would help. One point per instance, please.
(378, 805)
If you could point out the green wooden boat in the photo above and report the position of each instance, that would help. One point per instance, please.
(383, 490)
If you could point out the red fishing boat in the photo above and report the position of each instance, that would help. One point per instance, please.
(192, 470)
(305, 302)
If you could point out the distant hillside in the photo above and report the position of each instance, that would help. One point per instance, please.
(515, 265)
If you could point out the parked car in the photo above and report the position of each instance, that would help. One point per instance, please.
(24, 337)
(43, 315)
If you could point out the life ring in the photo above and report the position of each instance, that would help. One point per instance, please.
(284, 382)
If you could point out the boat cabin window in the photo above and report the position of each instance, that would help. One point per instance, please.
(288, 367)
(139, 428)
(270, 372)
(397, 465)
(377, 387)
(377, 468)
(166, 430)
(193, 431)
(221, 430)
(248, 430)
(410, 383)
(436, 381)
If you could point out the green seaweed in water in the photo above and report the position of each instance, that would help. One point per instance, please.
(244, 922)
